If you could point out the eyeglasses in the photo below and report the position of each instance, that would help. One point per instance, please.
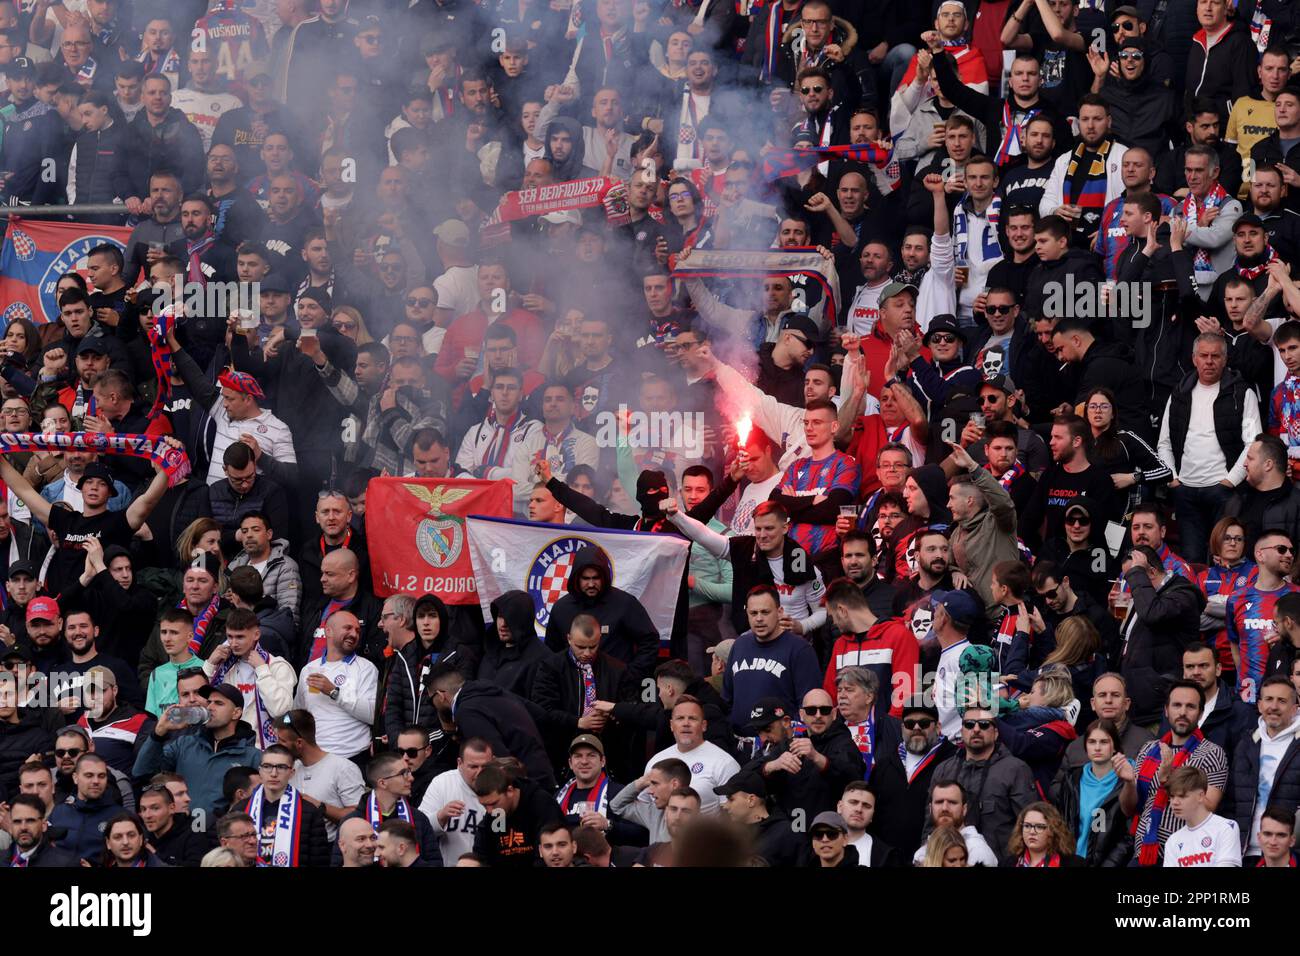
(1050, 595)
(1034, 827)
(981, 724)
(1131, 55)
(73, 44)
(276, 768)
(402, 338)
(1129, 26)
(989, 399)
(410, 752)
(1279, 548)
(821, 836)
(805, 90)
(1078, 519)
(250, 835)
(943, 338)
(815, 23)
(1234, 539)
(802, 340)
(824, 710)
(419, 303)
(400, 773)
(918, 723)
(998, 309)
(1099, 406)
(70, 752)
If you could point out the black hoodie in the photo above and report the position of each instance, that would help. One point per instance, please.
(626, 630)
(503, 720)
(511, 666)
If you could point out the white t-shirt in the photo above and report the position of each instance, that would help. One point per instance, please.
(458, 838)
(332, 780)
(342, 726)
(1215, 841)
(753, 495)
(945, 690)
(711, 766)
(457, 289)
(864, 310)
(273, 436)
(204, 109)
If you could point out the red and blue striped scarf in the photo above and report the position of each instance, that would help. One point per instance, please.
(1149, 853)
(1191, 211)
(1011, 132)
(201, 622)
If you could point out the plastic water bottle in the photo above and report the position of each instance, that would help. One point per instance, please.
(188, 716)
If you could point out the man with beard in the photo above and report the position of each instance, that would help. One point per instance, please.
(1184, 745)
(883, 646)
(161, 233)
(1269, 198)
(858, 562)
(1203, 124)
(901, 778)
(877, 266)
(1086, 178)
(1144, 111)
(27, 828)
(171, 834)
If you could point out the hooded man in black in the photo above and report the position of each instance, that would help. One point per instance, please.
(570, 165)
(626, 630)
(511, 650)
(651, 490)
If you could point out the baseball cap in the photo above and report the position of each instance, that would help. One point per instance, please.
(1126, 11)
(22, 567)
(1002, 383)
(765, 712)
(829, 818)
(101, 675)
(894, 288)
(746, 781)
(42, 609)
(587, 740)
(436, 43)
(1250, 219)
(453, 232)
(274, 282)
(798, 322)
(961, 607)
(95, 470)
(943, 323)
(96, 344)
(16, 654)
(20, 65)
(228, 691)
(720, 650)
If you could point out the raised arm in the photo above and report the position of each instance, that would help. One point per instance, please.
(140, 508)
(712, 542)
(39, 507)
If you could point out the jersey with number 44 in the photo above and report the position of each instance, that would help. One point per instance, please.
(235, 39)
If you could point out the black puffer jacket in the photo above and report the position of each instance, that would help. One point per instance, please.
(511, 666)
(1111, 843)
(626, 629)
(104, 165)
(1166, 622)
(811, 791)
(174, 144)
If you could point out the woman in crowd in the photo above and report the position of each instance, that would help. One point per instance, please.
(1089, 798)
(1040, 838)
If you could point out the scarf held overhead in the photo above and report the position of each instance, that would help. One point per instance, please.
(560, 197)
(173, 461)
(743, 264)
(790, 162)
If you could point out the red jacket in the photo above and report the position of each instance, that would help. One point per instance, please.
(889, 649)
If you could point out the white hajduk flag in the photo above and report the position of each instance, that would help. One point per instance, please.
(537, 557)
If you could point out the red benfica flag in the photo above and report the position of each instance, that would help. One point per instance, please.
(416, 529)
